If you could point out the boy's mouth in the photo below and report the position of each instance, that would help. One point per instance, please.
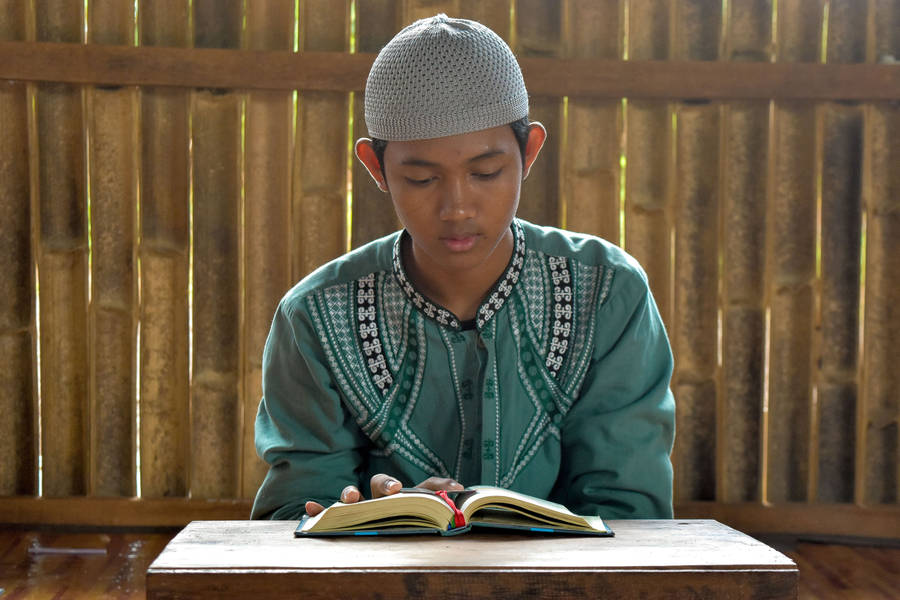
(459, 242)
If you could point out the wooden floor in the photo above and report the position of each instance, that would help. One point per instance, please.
(45, 564)
(60, 565)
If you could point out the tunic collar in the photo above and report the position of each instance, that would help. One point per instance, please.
(493, 301)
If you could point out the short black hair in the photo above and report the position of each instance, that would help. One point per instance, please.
(519, 129)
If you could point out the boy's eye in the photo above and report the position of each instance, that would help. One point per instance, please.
(413, 181)
(487, 176)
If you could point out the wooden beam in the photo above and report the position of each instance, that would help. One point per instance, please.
(339, 71)
(841, 520)
(119, 512)
(800, 518)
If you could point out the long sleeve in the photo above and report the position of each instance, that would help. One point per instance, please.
(303, 431)
(617, 438)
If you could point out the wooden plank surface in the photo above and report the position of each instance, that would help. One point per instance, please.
(117, 511)
(320, 161)
(216, 132)
(68, 564)
(164, 257)
(112, 130)
(18, 430)
(649, 161)
(63, 266)
(491, 13)
(329, 71)
(645, 559)
(591, 179)
(744, 162)
(791, 239)
(840, 247)
(482, 584)
(638, 544)
(539, 34)
(268, 155)
(695, 217)
(413, 10)
(373, 214)
(879, 473)
(877, 522)
(799, 518)
(878, 431)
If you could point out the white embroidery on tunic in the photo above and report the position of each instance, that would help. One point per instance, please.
(367, 327)
(501, 292)
(562, 313)
(488, 308)
(536, 298)
(433, 311)
(338, 335)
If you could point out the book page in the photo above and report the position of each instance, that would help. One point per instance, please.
(529, 506)
(406, 509)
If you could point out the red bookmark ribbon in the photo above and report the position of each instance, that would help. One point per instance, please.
(459, 519)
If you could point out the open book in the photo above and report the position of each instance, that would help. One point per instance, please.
(415, 510)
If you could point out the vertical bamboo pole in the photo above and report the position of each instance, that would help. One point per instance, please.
(539, 33)
(413, 10)
(216, 193)
(112, 176)
(695, 218)
(320, 166)
(882, 323)
(18, 439)
(164, 257)
(494, 14)
(590, 183)
(372, 212)
(879, 473)
(63, 265)
(742, 237)
(648, 154)
(267, 218)
(792, 266)
(838, 318)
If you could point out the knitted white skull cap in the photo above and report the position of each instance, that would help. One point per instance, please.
(442, 76)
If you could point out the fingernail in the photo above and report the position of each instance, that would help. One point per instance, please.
(456, 485)
(391, 485)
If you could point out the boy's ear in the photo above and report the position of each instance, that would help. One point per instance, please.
(537, 135)
(366, 155)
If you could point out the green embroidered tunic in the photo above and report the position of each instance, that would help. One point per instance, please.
(559, 389)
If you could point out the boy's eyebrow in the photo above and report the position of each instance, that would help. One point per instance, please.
(420, 162)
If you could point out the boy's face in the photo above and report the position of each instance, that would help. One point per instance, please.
(456, 196)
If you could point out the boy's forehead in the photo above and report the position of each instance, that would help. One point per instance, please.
(466, 147)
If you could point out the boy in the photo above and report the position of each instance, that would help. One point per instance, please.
(471, 347)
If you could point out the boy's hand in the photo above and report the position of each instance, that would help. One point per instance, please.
(385, 485)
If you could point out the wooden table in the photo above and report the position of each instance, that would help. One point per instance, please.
(646, 559)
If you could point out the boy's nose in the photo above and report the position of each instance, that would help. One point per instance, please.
(455, 202)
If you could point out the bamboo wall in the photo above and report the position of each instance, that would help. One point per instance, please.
(149, 231)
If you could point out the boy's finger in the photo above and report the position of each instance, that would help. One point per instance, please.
(384, 485)
(313, 508)
(350, 495)
(441, 483)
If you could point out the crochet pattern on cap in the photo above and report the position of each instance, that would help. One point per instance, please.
(440, 77)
